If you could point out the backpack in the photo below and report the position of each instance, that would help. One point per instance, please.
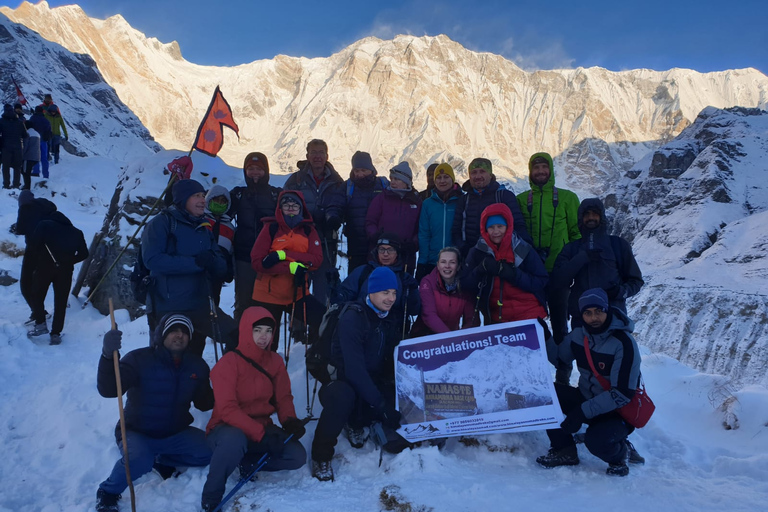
(319, 353)
(64, 243)
(141, 281)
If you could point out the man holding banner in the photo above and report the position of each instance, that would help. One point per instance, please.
(604, 341)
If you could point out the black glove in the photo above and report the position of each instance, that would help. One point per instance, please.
(112, 341)
(422, 270)
(272, 442)
(614, 291)
(390, 417)
(295, 427)
(595, 254)
(270, 260)
(333, 223)
(489, 266)
(409, 283)
(573, 421)
(299, 276)
(206, 260)
(507, 271)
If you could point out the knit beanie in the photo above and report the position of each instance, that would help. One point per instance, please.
(445, 168)
(183, 190)
(25, 197)
(402, 171)
(267, 320)
(593, 298)
(382, 278)
(53, 109)
(389, 239)
(7, 108)
(178, 320)
(39, 109)
(362, 160)
(257, 158)
(481, 163)
(495, 219)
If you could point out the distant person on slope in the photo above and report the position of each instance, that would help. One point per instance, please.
(182, 255)
(12, 134)
(323, 191)
(607, 333)
(160, 381)
(482, 190)
(43, 127)
(251, 384)
(250, 204)
(362, 186)
(57, 127)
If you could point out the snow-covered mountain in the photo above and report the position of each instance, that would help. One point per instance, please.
(419, 99)
(93, 113)
(697, 210)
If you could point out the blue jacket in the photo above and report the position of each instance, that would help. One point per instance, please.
(169, 254)
(363, 356)
(435, 224)
(159, 392)
(41, 126)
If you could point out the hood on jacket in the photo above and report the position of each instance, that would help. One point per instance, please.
(595, 204)
(260, 157)
(250, 317)
(216, 191)
(546, 156)
(307, 217)
(504, 250)
(183, 190)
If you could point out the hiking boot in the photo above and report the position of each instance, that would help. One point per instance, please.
(107, 502)
(619, 468)
(634, 457)
(55, 339)
(322, 470)
(356, 436)
(164, 471)
(208, 507)
(38, 330)
(566, 457)
(31, 321)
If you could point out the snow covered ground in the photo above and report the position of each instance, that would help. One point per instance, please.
(57, 440)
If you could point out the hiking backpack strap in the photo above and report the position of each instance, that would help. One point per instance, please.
(272, 400)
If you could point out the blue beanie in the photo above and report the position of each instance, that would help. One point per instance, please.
(593, 298)
(495, 219)
(382, 278)
(183, 190)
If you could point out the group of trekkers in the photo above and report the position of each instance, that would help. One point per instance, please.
(451, 257)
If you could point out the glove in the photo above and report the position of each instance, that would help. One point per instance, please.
(299, 271)
(489, 266)
(573, 421)
(409, 283)
(112, 341)
(272, 442)
(507, 271)
(295, 427)
(595, 254)
(333, 223)
(390, 417)
(614, 292)
(422, 269)
(206, 260)
(272, 259)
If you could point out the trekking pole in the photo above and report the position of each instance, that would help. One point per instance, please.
(306, 338)
(129, 242)
(480, 287)
(55, 263)
(214, 325)
(287, 351)
(116, 361)
(405, 304)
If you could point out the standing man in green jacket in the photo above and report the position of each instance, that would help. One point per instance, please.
(551, 217)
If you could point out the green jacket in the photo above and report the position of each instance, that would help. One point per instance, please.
(57, 124)
(541, 214)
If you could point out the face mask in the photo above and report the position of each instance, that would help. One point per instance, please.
(218, 208)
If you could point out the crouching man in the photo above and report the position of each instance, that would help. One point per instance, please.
(160, 382)
(363, 392)
(606, 333)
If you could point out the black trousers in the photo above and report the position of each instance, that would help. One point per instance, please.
(43, 277)
(606, 434)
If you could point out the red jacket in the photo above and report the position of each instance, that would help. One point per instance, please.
(508, 303)
(274, 285)
(242, 392)
(441, 310)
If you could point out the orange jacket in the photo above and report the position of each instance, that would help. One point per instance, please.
(274, 285)
(245, 397)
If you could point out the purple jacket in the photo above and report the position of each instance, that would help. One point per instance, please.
(441, 311)
(389, 213)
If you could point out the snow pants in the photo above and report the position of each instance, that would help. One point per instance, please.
(606, 434)
(42, 278)
(12, 159)
(230, 446)
(55, 147)
(187, 448)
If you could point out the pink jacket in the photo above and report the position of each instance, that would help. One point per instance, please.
(441, 311)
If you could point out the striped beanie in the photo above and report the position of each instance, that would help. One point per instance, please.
(177, 320)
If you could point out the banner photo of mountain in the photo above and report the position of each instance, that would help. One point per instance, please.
(486, 380)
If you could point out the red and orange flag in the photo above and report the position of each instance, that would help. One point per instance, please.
(19, 95)
(210, 135)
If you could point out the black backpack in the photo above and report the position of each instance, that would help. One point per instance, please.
(64, 243)
(319, 353)
(141, 281)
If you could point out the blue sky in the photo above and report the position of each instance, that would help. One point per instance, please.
(704, 35)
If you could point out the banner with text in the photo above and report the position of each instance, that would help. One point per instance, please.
(485, 380)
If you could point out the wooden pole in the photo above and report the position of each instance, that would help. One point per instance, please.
(116, 360)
